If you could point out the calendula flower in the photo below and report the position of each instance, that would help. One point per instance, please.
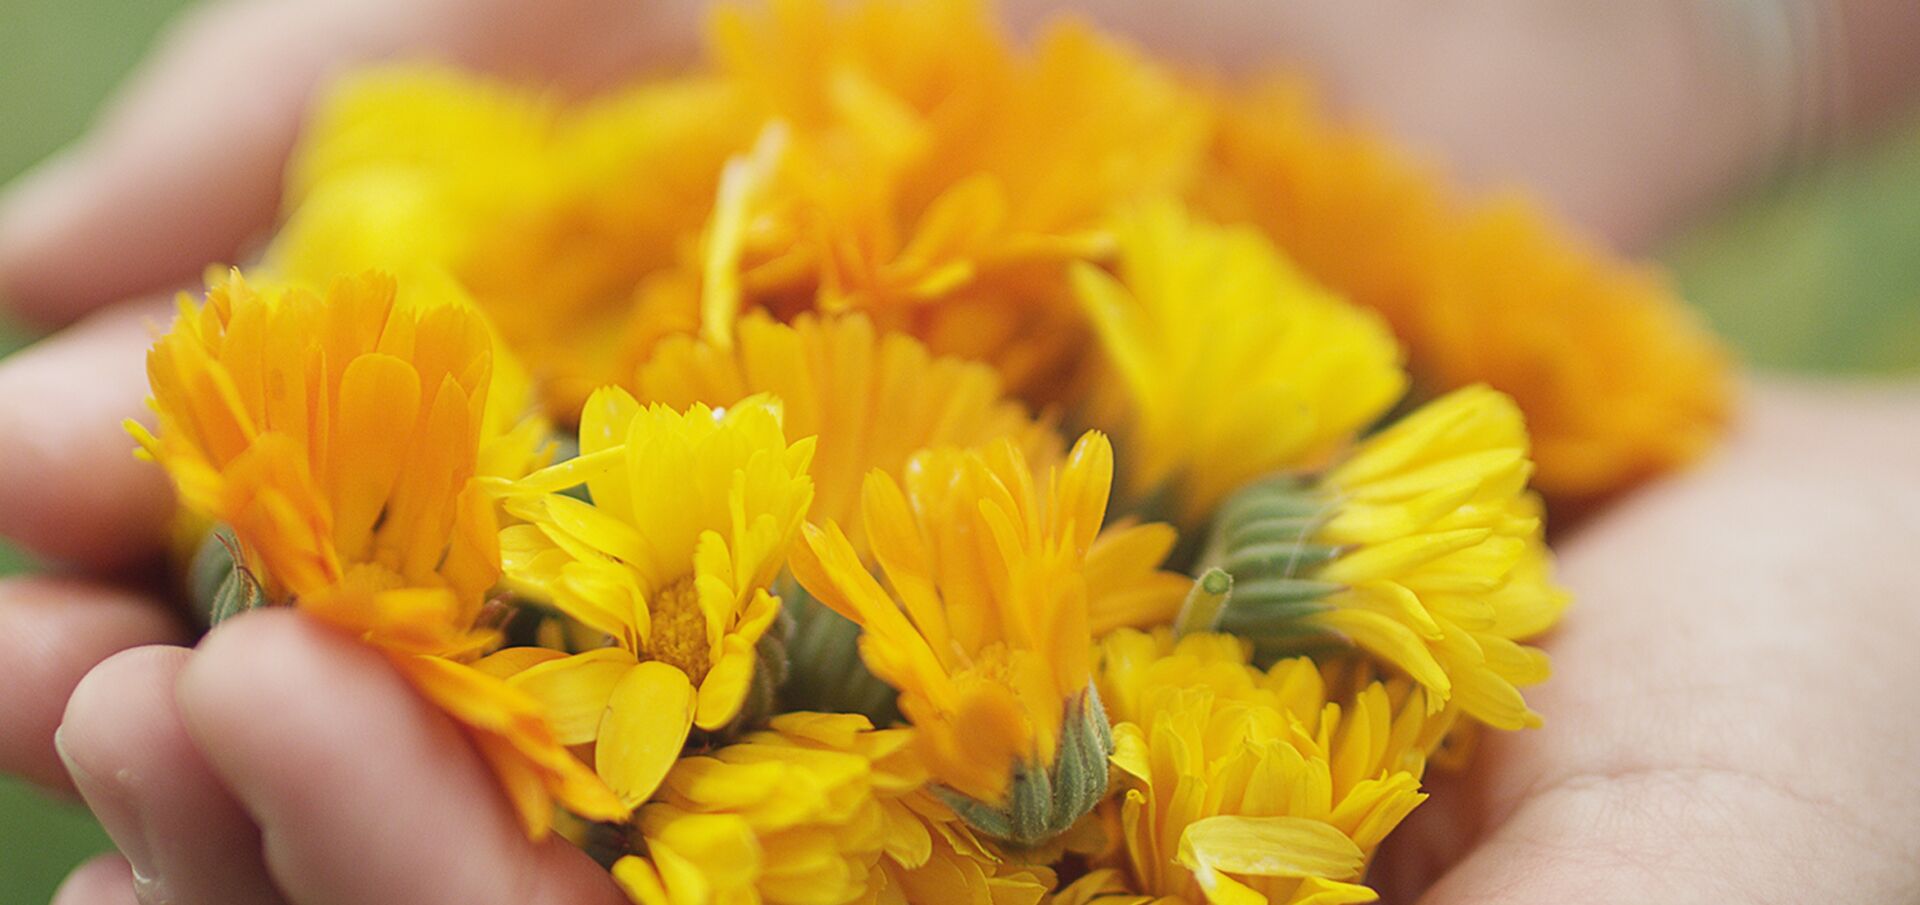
(691, 517)
(557, 217)
(1248, 786)
(985, 629)
(871, 399)
(909, 185)
(959, 866)
(1224, 363)
(819, 808)
(340, 437)
(414, 166)
(1617, 378)
(1423, 548)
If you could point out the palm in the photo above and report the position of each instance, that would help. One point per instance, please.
(1714, 729)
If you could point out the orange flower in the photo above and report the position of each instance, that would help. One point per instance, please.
(984, 622)
(557, 218)
(341, 437)
(1617, 379)
(908, 182)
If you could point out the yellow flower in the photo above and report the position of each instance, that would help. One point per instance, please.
(407, 165)
(341, 438)
(1244, 786)
(819, 809)
(1617, 378)
(985, 630)
(554, 216)
(1423, 548)
(1226, 364)
(871, 399)
(691, 517)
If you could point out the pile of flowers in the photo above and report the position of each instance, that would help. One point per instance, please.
(893, 464)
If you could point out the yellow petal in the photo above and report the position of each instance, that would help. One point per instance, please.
(1130, 752)
(640, 881)
(646, 723)
(725, 688)
(574, 690)
(507, 663)
(1268, 847)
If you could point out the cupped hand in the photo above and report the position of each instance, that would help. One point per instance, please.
(182, 170)
(1726, 724)
(277, 763)
(1729, 718)
(283, 762)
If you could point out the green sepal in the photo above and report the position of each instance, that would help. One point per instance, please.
(1276, 499)
(1205, 603)
(822, 667)
(219, 587)
(1286, 556)
(1042, 803)
(1271, 593)
(1264, 538)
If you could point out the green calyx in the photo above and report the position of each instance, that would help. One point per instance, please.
(821, 666)
(1042, 803)
(219, 586)
(1258, 567)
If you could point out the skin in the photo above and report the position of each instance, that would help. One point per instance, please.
(1726, 722)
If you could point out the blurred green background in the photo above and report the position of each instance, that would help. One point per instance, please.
(1821, 273)
(58, 58)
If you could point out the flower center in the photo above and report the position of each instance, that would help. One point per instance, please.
(679, 636)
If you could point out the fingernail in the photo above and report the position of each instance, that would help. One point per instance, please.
(110, 799)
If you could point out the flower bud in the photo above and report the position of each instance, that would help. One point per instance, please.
(1043, 802)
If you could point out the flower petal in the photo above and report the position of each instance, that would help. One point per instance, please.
(1268, 847)
(574, 690)
(646, 723)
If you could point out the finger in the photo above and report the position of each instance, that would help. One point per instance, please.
(72, 489)
(365, 794)
(185, 167)
(52, 631)
(180, 172)
(186, 839)
(106, 880)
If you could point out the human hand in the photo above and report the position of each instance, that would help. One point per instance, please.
(1711, 735)
(225, 194)
(1726, 722)
(184, 169)
(283, 762)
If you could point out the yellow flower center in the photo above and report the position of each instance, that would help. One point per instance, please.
(679, 635)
